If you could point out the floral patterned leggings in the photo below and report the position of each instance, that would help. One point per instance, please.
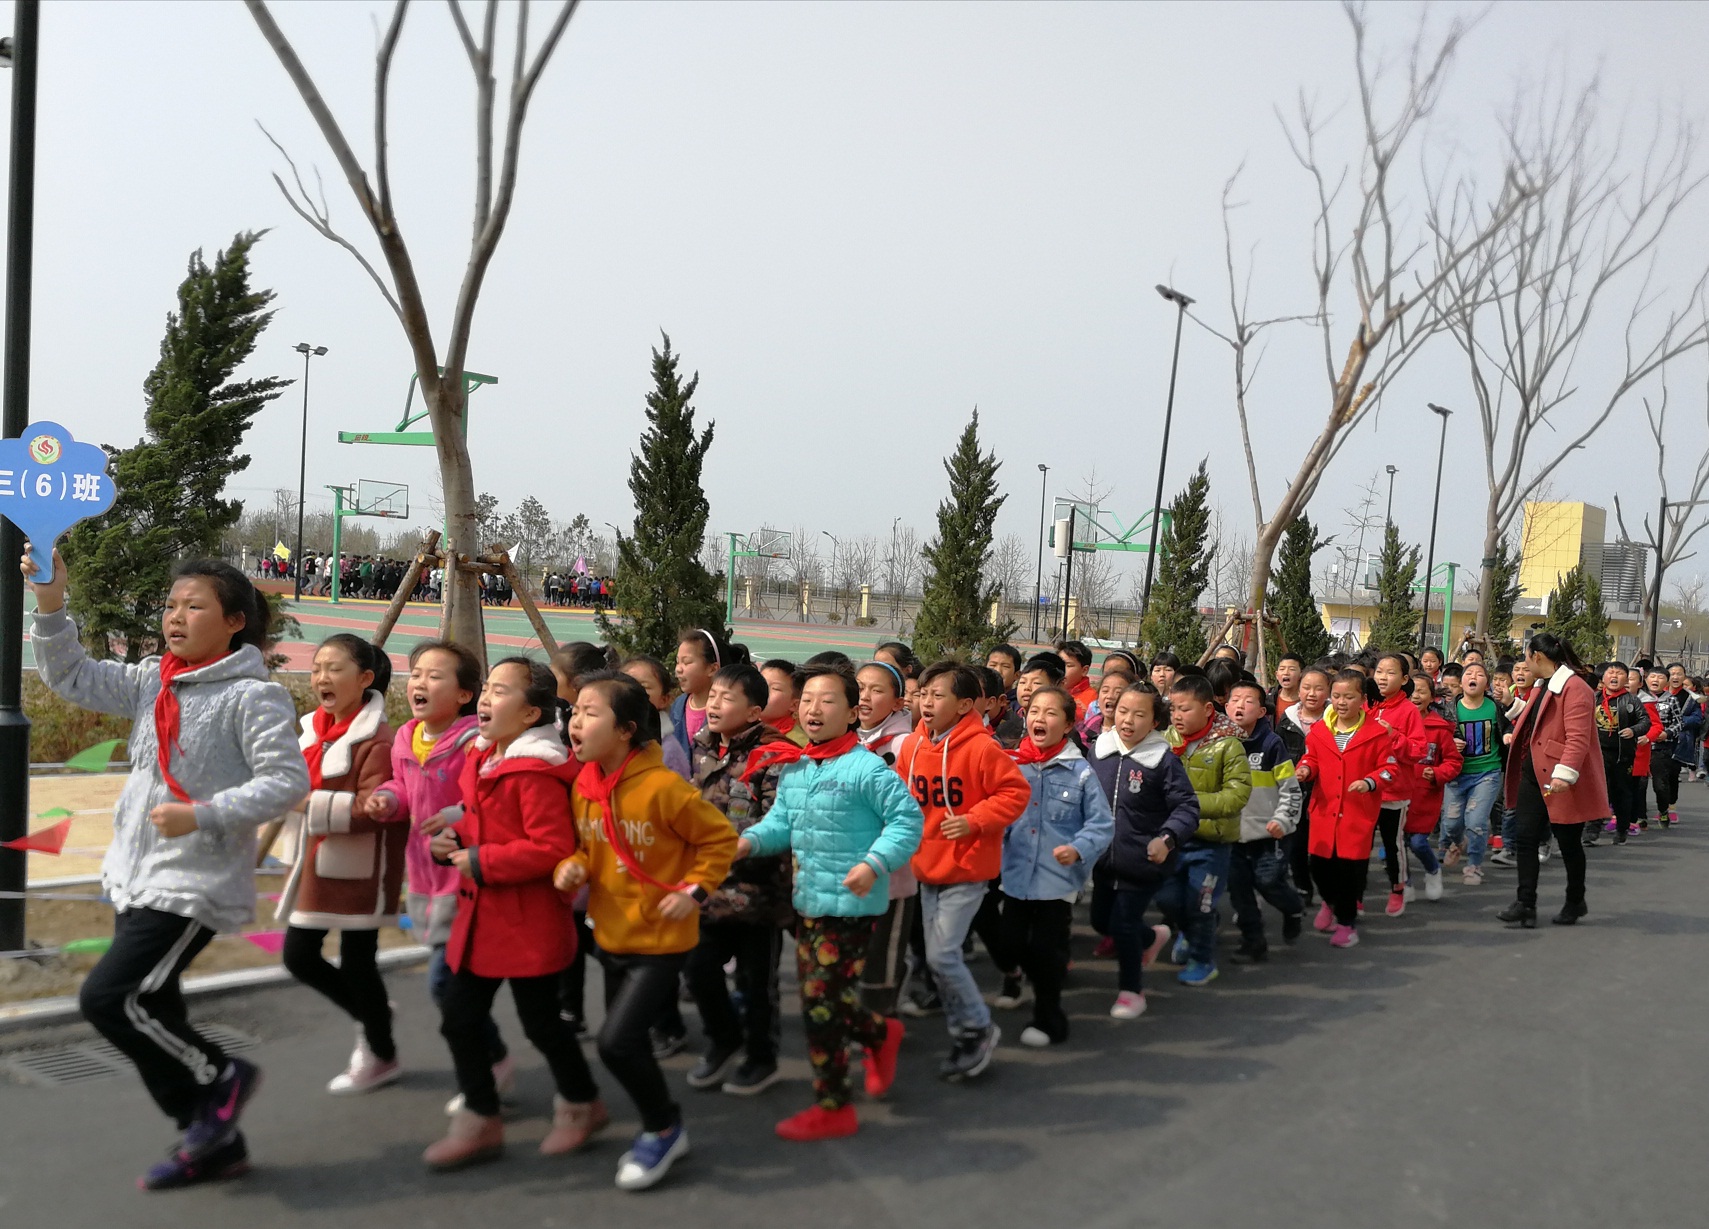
(830, 953)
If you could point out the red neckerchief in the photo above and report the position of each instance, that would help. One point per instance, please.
(1606, 711)
(167, 716)
(1187, 743)
(1030, 752)
(775, 755)
(326, 732)
(593, 785)
(783, 725)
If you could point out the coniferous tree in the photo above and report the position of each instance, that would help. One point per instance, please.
(1577, 616)
(660, 586)
(954, 612)
(1172, 621)
(170, 503)
(1396, 622)
(1291, 599)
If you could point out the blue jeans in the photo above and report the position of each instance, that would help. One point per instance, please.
(1189, 898)
(1467, 802)
(1260, 868)
(1419, 843)
(947, 912)
(1129, 932)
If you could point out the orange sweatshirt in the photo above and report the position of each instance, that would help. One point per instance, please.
(967, 775)
(677, 837)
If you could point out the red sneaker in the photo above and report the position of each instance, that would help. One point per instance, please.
(1397, 902)
(1106, 947)
(881, 1063)
(816, 1122)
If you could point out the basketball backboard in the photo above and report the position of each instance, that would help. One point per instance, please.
(374, 498)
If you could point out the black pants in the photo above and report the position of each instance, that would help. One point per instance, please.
(1299, 845)
(988, 926)
(1534, 829)
(468, 1012)
(638, 989)
(1035, 936)
(886, 970)
(1258, 868)
(572, 982)
(134, 1000)
(756, 948)
(1664, 775)
(353, 984)
(1394, 856)
(1341, 883)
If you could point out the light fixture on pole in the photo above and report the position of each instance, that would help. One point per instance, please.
(1182, 303)
(307, 351)
(1038, 581)
(1388, 517)
(834, 545)
(1435, 507)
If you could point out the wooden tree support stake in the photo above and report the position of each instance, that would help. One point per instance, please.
(412, 577)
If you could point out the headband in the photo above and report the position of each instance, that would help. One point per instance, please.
(717, 657)
(894, 673)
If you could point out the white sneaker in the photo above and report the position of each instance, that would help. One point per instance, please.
(504, 1075)
(1409, 892)
(1433, 886)
(1472, 876)
(365, 1073)
(1036, 1038)
(1543, 851)
(1128, 1006)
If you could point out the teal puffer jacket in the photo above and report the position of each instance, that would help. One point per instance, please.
(834, 814)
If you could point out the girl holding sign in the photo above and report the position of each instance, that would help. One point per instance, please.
(214, 755)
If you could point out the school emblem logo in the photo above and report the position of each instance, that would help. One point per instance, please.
(45, 449)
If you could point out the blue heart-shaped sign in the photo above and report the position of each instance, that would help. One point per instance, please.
(49, 482)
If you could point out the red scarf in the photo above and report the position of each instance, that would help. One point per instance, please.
(775, 755)
(325, 733)
(1030, 752)
(167, 717)
(1187, 742)
(783, 725)
(593, 785)
(1608, 712)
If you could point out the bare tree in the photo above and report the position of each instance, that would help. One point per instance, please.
(1668, 538)
(715, 554)
(1011, 567)
(803, 564)
(1371, 256)
(441, 378)
(1581, 249)
(857, 563)
(1095, 582)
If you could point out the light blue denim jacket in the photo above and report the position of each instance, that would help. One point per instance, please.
(1068, 807)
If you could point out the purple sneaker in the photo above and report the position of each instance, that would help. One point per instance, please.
(180, 1168)
(215, 1123)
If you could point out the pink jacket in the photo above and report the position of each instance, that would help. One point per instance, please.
(423, 790)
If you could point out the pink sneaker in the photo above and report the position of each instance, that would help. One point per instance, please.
(1159, 936)
(1397, 902)
(1105, 949)
(1325, 920)
(1344, 936)
(1128, 1006)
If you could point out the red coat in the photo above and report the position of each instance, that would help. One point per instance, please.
(1561, 715)
(1409, 742)
(1426, 806)
(1641, 756)
(511, 921)
(1342, 823)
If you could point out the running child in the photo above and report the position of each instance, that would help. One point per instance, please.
(349, 865)
(1436, 769)
(1258, 862)
(780, 701)
(699, 655)
(512, 926)
(884, 724)
(849, 823)
(646, 897)
(1102, 715)
(214, 752)
(1300, 716)
(1048, 855)
(1394, 712)
(1470, 797)
(1076, 677)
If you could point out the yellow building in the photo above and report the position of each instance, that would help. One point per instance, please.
(1557, 537)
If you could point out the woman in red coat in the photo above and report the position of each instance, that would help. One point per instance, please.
(1554, 775)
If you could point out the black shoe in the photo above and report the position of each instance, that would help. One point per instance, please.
(921, 1003)
(1570, 913)
(710, 1071)
(1619, 838)
(1251, 953)
(1292, 924)
(180, 1169)
(666, 1044)
(971, 1054)
(1525, 915)
(578, 1026)
(751, 1078)
(1014, 991)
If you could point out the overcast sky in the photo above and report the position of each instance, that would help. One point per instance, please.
(857, 222)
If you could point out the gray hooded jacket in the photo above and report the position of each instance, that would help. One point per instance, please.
(240, 762)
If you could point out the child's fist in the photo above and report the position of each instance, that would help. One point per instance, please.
(1065, 855)
(954, 828)
(173, 819)
(569, 876)
(860, 879)
(381, 806)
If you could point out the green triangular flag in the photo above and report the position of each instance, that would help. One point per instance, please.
(94, 759)
(87, 947)
(54, 813)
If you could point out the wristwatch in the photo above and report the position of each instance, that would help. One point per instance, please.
(699, 894)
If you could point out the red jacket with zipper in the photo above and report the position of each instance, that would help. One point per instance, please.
(511, 921)
(1341, 823)
(1426, 806)
(968, 775)
(1407, 733)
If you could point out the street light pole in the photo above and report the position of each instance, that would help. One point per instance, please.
(1182, 303)
(1435, 507)
(833, 538)
(1388, 517)
(303, 348)
(20, 53)
(1038, 581)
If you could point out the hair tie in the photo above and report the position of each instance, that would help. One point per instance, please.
(717, 657)
(894, 673)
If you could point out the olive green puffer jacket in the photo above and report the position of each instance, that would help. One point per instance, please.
(1216, 765)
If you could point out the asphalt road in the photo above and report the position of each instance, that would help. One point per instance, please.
(1447, 1071)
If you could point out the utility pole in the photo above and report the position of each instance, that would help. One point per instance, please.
(1182, 303)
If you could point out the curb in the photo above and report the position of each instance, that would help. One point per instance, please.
(64, 1010)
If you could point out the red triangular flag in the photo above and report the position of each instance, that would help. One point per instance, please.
(272, 941)
(47, 840)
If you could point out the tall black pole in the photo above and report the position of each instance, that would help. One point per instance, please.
(1068, 580)
(1656, 596)
(14, 418)
(1388, 516)
(1038, 582)
(1182, 302)
(1430, 555)
(303, 474)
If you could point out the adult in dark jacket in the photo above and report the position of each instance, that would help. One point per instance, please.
(1621, 718)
